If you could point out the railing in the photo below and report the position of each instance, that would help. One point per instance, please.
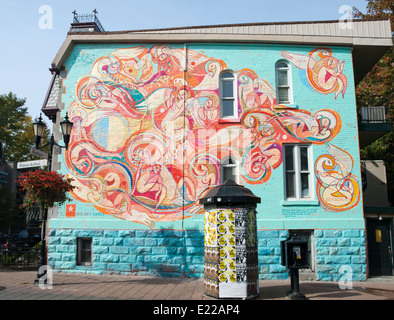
(372, 115)
(88, 18)
(21, 258)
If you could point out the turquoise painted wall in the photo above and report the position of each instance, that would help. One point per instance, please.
(127, 103)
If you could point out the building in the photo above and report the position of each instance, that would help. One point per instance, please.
(379, 219)
(161, 115)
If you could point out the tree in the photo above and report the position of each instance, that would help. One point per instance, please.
(16, 129)
(376, 89)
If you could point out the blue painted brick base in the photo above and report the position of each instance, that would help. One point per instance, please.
(169, 253)
(178, 253)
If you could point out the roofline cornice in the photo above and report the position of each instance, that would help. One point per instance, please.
(73, 39)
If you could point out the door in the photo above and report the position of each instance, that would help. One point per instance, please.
(379, 247)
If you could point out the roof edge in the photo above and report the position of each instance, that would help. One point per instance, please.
(232, 25)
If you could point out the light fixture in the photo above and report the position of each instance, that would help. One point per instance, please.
(39, 128)
(66, 126)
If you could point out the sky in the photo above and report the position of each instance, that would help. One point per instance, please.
(32, 31)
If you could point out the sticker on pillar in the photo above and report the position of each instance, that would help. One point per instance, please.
(210, 238)
(211, 255)
(227, 240)
(227, 253)
(227, 264)
(227, 276)
(251, 241)
(70, 210)
(224, 214)
(226, 228)
(211, 287)
(241, 256)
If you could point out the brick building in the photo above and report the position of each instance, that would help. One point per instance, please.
(161, 115)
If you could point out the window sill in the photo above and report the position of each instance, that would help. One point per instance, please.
(287, 106)
(84, 266)
(287, 203)
(229, 120)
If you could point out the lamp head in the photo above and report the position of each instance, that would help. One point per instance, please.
(66, 126)
(39, 128)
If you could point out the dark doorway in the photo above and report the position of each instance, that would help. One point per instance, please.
(379, 247)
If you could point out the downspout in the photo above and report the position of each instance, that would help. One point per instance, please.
(183, 159)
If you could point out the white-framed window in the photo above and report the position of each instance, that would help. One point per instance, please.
(228, 95)
(284, 94)
(229, 169)
(298, 172)
(84, 251)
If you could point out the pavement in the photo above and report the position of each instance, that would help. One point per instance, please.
(19, 285)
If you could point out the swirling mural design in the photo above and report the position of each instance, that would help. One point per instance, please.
(337, 187)
(324, 72)
(147, 141)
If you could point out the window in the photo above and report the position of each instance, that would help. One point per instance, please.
(229, 169)
(228, 90)
(298, 177)
(283, 83)
(84, 251)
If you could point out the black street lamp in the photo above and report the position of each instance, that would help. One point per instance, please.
(39, 128)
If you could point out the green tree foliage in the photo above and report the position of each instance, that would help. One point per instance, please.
(376, 89)
(16, 129)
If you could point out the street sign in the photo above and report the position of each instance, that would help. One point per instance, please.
(39, 153)
(31, 164)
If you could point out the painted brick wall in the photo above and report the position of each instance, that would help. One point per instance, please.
(137, 184)
(270, 254)
(336, 249)
(176, 253)
(170, 253)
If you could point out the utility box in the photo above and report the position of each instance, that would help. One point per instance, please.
(230, 242)
(294, 253)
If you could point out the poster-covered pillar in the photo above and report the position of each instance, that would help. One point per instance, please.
(230, 242)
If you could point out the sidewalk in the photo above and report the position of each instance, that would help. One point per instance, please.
(18, 285)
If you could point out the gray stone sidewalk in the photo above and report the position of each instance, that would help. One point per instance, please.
(18, 285)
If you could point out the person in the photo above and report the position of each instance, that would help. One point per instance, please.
(6, 250)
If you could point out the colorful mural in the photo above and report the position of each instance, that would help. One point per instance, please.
(337, 187)
(147, 141)
(324, 72)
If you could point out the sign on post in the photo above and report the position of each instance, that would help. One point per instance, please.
(31, 164)
(39, 153)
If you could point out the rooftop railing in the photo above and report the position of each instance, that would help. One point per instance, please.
(90, 18)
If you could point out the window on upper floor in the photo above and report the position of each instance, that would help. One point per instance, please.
(228, 93)
(229, 169)
(283, 83)
(298, 177)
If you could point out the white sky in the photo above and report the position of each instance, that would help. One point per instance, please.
(27, 50)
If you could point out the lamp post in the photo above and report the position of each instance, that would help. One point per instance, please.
(39, 127)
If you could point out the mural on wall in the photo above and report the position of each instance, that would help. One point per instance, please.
(337, 187)
(323, 71)
(147, 141)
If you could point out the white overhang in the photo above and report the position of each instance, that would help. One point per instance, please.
(369, 39)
